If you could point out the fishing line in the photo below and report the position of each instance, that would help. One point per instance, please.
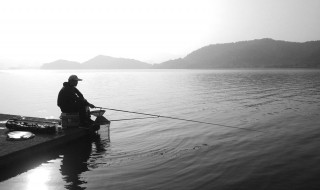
(133, 118)
(175, 118)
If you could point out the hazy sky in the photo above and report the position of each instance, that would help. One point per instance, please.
(40, 31)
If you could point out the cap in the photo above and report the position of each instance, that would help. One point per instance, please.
(74, 77)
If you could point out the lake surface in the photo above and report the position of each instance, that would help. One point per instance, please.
(160, 153)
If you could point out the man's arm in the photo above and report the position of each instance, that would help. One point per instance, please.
(80, 95)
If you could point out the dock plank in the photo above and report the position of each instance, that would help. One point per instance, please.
(11, 151)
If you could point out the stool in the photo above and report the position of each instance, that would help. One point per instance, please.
(70, 120)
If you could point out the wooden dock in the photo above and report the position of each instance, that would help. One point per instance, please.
(12, 151)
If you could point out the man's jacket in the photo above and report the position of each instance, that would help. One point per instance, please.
(70, 99)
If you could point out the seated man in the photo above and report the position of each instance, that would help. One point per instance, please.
(71, 100)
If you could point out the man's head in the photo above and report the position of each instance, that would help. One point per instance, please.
(73, 80)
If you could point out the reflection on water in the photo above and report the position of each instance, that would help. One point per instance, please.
(66, 163)
(37, 179)
(160, 153)
(76, 160)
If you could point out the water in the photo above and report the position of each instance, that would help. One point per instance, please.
(173, 154)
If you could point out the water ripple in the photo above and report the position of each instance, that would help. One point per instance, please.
(161, 153)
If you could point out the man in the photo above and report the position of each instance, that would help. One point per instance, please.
(71, 100)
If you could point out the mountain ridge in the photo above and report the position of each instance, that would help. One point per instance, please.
(263, 53)
(61, 64)
(107, 62)
(259, 53)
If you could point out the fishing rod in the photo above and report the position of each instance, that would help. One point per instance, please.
(175, 118)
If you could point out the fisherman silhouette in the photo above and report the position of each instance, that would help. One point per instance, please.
(71, 100)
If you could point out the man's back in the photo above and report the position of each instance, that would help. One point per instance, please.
(68, 98)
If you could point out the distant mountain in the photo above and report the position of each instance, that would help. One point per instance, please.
(264, 53)
(61, 64)
(173, 64)
(106, 62)
(99, 62)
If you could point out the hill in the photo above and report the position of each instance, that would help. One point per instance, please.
(61, 64)
(107, 62)
(263, 53)
(98, 62)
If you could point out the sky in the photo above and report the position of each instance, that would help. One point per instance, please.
(40, 31)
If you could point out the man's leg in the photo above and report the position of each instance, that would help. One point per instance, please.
(84, 114)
